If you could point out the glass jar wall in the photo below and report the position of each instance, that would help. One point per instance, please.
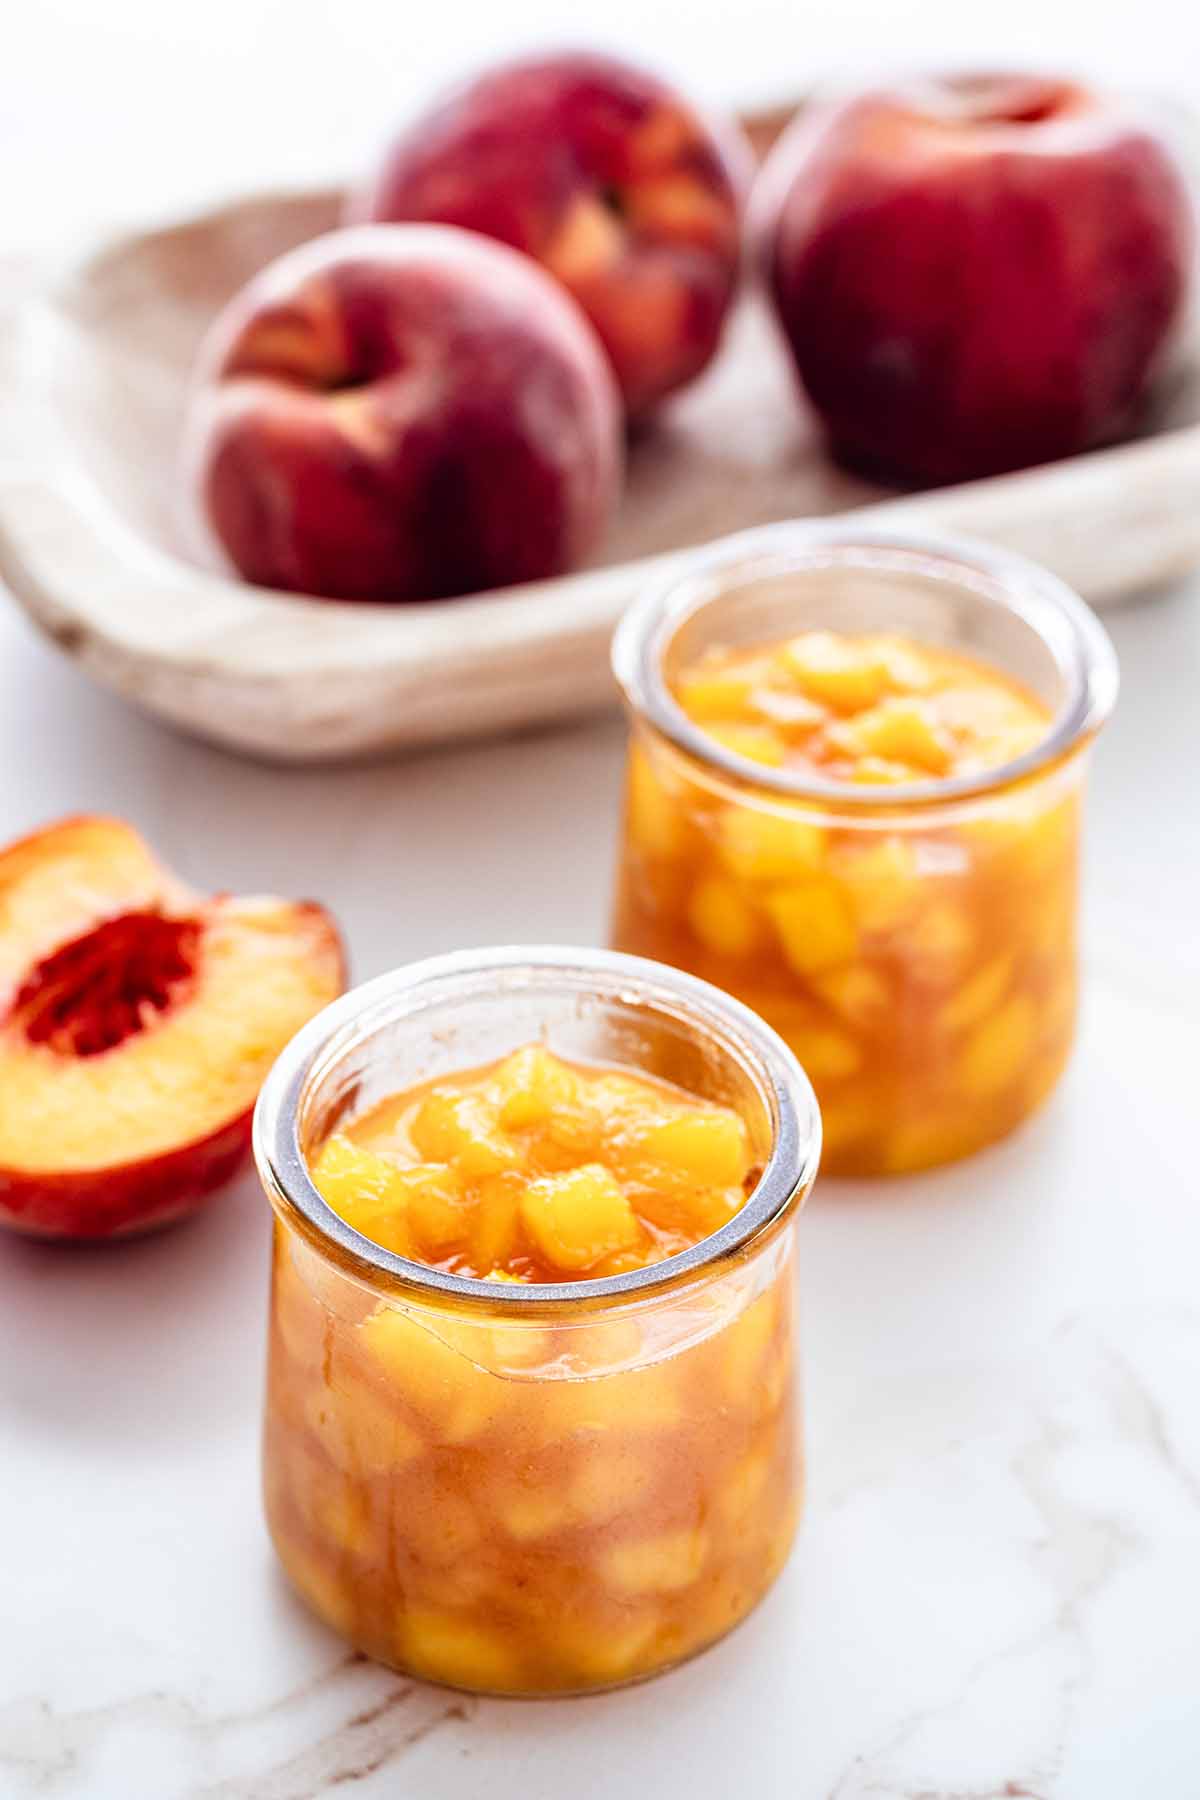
(914, 944)
(532, 1488)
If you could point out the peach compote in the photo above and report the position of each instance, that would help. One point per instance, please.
(527, 1499)
(535, 1170)
(918, 957)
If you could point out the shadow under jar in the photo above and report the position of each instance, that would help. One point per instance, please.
(543, 1488)
(914, 944)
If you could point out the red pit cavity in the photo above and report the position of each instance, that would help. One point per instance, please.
(88, 996)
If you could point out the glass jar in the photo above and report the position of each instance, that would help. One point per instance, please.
(915, 945)
(544, 1488)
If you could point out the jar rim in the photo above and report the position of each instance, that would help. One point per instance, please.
(1067, 627)
(419, 987)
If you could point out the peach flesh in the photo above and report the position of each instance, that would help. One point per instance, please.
(136, 1019)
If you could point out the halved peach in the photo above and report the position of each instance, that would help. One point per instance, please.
(137, 1021)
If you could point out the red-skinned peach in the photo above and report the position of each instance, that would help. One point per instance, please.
(610, 179)
(974, 274)
(404, 413)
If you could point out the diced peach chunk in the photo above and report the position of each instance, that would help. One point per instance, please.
(743, 1345)
(495, 1229)
(515, 1346)
(898, 729)
(853, 1118)
(605, 1651)
(928, 1140)
(758, 845)
(721, 1603)
(941, 939)
(349, 1176)
(979, 995)
(571, 1135)
(758, 743)
(700, 1149)
(437, 1379)
(361, 1431)
(1031, 837)
(532, 1084)
(438, 1210)
(637, 1400)
(842, 673)
(825, 1053)
(656, 1565)
(445, 1646)
(795, 716)
(880, 879)
(714, 1207)
(717, 692)
(370, 1192)
(743, 1489)
(911, 669)
(654, 818)
(528, 1511)
(997, 1051)
(859, 992)
(463, 1129)
(722, 918)
(597, 1347)
(578, 1217)
(815, 925)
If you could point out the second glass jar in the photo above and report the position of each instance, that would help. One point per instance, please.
(914, 945)
(545, 1488)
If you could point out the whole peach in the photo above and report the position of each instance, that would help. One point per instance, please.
(610, 179)
(404, 413)
(974, 274)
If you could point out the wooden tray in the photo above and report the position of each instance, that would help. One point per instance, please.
(94, 546)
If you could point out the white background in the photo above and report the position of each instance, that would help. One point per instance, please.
(998, 1590)
(117, 108)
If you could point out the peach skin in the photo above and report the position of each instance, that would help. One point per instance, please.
(974, 274)
(404, 413)
(611, 179)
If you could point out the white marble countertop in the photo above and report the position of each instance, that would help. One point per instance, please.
(996, 1595)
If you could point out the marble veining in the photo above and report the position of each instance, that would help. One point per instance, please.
(378, 1717)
